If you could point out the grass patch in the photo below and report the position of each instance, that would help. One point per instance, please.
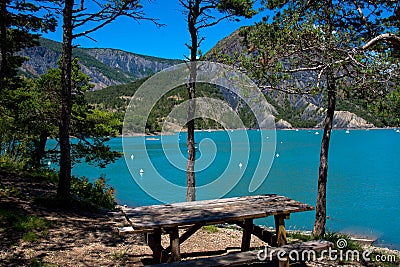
(298, 235)
(210, 229)
(119, 255)
(29, 227)
(38, 263)
(342, 241)
(9, 191)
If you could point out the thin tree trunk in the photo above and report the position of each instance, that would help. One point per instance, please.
(64, 184)
(3, 42)
(190, 175)
(40, 149)
(320, 216)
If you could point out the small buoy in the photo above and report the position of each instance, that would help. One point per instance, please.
(240, 165)
(281, 142)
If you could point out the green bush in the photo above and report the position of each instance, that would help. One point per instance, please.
(43, 174)
(98, 192)
(12, 163)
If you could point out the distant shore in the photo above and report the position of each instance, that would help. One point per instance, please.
(283, 129)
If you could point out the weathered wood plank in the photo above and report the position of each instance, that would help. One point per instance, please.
(211, 211)
(125, 230)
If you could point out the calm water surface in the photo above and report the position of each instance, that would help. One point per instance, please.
(363, 179)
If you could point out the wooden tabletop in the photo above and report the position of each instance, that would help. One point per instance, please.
(211, 211)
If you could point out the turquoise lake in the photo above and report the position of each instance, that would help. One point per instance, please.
(363, 194)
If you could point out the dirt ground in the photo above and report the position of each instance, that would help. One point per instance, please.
(83, 238)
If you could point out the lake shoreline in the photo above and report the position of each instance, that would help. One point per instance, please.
(283, 129)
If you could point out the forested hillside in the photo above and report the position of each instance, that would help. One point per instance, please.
(115, 99)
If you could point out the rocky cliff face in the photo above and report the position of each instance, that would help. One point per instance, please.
(291, 109)
(106, 67)
(139, 66)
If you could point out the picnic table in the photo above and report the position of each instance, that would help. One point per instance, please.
(153, 220)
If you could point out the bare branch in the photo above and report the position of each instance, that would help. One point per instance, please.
(363, 18)
(287, 91)
(305, 69)
(214, 22)
(390, 37)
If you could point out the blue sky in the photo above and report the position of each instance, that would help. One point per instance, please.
(145, 38)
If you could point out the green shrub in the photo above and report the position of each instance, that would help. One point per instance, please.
(12, 163)
(43, 174)
(98, 192)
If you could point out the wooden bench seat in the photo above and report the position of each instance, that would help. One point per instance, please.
(249, 257)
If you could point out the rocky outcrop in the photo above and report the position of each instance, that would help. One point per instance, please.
(341, 119)
(139, 66)
(348, 120)
(40, 60)
(282, 124)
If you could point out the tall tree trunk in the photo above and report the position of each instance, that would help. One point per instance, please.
(190, 175)
(191, 87)
(3, 42)
(40, 149)
(64, 184)
(320, 216)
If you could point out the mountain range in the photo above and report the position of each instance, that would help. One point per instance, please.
(109, 67)
(105, 66)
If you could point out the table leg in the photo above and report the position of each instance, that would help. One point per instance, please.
(247, 230)
(281, 235)
(174, 244)
(154, 242)
(280, 230)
